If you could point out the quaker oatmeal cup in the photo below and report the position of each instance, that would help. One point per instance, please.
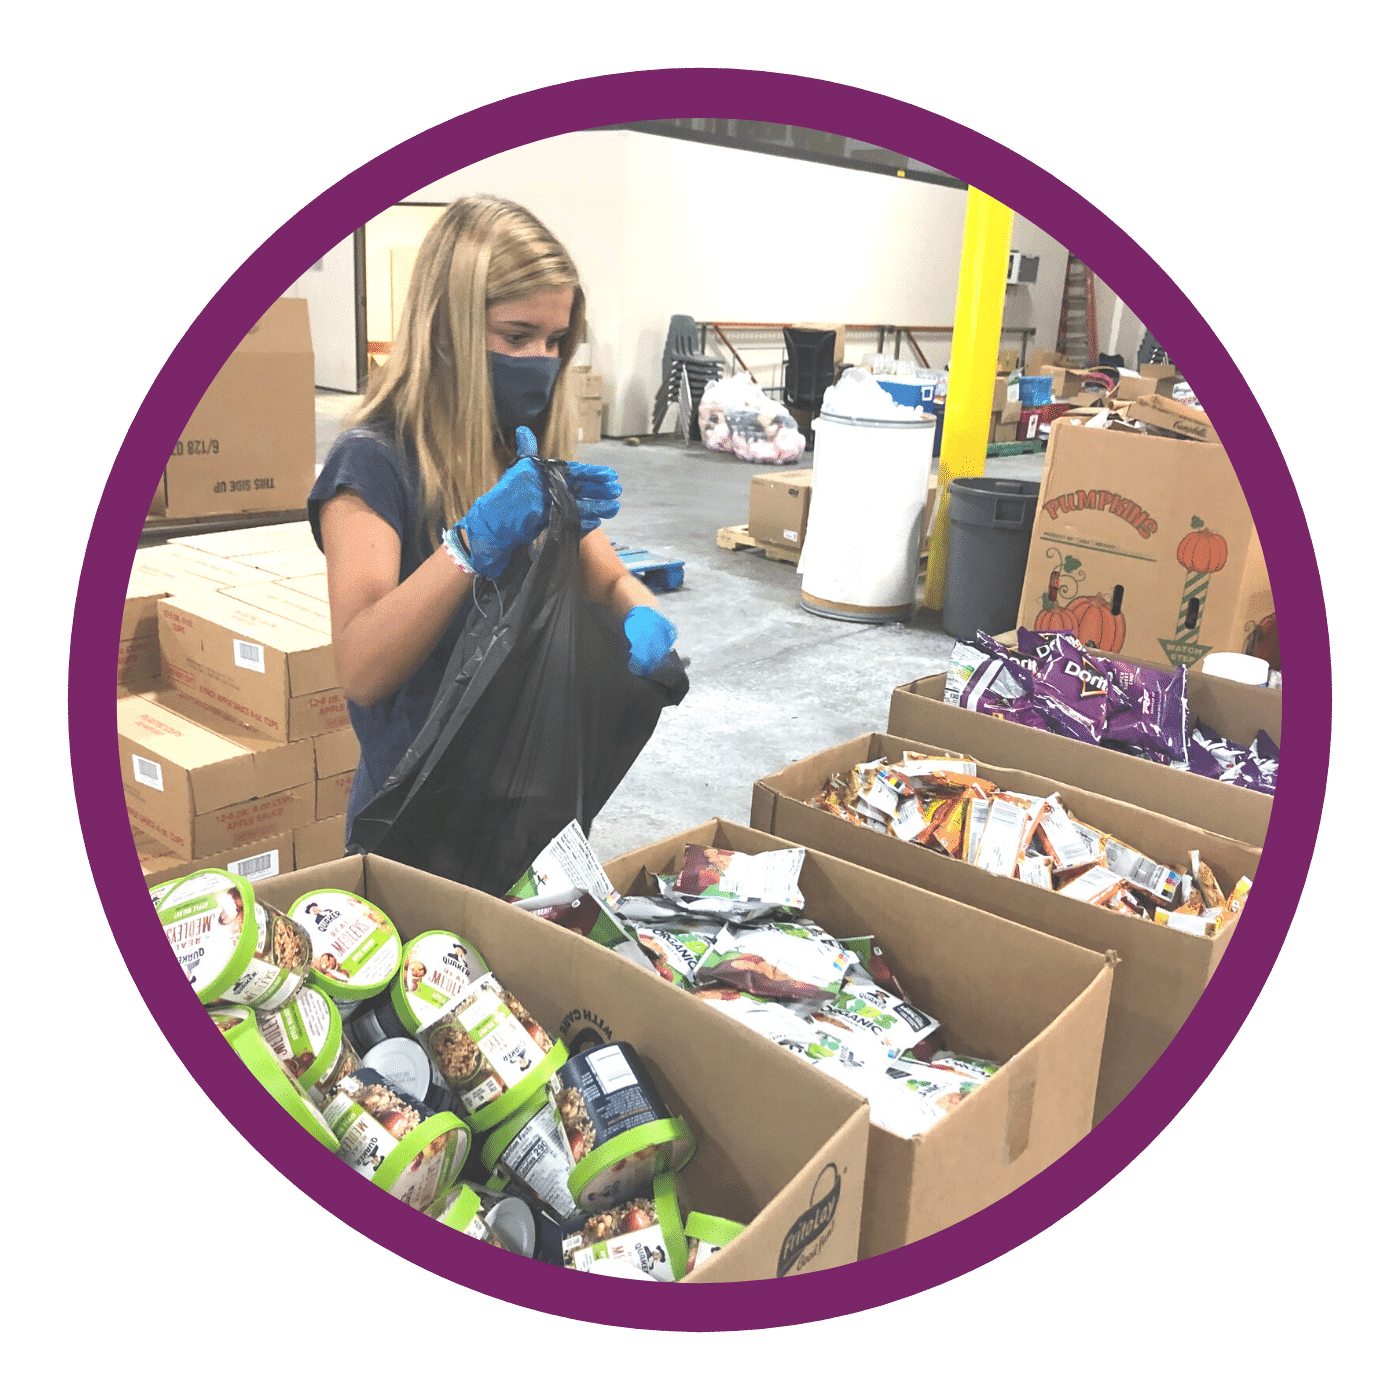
(435, 971)
(619, 1131)
(355, 947)
(644, 1234)
(530, 1149)
(492, 1052)
(706, 1235)
(459, 1208)
(392, 1138)
(231, 945)
(240, 1028)
(305, 1034)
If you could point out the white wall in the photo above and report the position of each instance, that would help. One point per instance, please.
(329, 289)
(659, 226)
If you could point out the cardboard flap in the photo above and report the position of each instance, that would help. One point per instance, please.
(257, 539)
(287, 563)
(208, 568)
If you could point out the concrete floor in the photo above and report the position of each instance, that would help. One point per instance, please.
(769, 682)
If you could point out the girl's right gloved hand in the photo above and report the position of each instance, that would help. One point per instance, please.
(510, 514)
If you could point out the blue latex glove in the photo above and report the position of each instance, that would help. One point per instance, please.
(597, 491)
(650, 636)
(510, 514)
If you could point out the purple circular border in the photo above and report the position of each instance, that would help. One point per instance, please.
(651, 95)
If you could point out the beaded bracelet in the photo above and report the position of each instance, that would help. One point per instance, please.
(457, 550)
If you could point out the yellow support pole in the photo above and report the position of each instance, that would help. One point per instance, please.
(972, 367)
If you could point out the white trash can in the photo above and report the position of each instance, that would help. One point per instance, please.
(860, 556)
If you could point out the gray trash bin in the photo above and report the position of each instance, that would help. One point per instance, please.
(990, 542)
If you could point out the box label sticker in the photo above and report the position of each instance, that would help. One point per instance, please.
(249, 655)
(256, 867)
(147, 772)
(790, 535)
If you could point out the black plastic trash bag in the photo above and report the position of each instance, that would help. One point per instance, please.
(536, 722)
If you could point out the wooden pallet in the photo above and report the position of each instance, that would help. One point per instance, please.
(737, 537)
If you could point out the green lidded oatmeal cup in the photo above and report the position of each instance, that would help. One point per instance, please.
(459, 1208)
(707, 1235)
(240, 1029)
(231, 945)
(355, 948)
(643, 1234)
(390, 1137)
(305, 1033)
(618, 1128)
(493, 1053)
(436, 968)
(531, 1149)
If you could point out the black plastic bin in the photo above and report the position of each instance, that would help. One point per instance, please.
(991, 522)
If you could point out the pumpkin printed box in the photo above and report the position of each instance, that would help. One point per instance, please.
(1144, 545)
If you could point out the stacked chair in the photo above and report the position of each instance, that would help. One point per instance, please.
(684, 374)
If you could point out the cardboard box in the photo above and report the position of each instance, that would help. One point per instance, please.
(287, 563)
(1007, 360)
(1162, 972)
(584, 384)
(252, 666)
(1043, 361)
(180, 571)
(255, 539)
(778, 506)
(318, 842)
(1237, 711)
(251, 442)
(1172, 417)
(333, 795)
(1163, 377)
(256, 860)
(588, 414)
(138, 647)
(276, 598)
(1028, 1001)
(1127, 508)
(313, 585)
(776, 1145)
(1065, 383)
(336, 752)
(198, 789)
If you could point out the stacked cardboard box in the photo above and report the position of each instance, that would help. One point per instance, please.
(586, 390)
(779, 503)
(242, 753)
(251, 443)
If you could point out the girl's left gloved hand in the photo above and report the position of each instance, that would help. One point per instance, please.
(650, 636)
(597, 491)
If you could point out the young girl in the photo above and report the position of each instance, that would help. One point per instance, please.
(420, 494)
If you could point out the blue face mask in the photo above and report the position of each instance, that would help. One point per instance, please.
(521, 386)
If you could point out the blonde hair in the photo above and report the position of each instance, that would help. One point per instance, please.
(436, 386)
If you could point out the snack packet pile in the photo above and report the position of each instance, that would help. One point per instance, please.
(941, 803)
(729, 929)
(1049, 681)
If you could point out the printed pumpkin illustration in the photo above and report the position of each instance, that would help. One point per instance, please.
(1202, 551)
(1202, 554)
(1097, 625)
(1052, 617)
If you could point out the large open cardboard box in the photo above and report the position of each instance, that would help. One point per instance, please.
(1162, 970)
(1034, 1004)
(776, 1145)
(1237, 711)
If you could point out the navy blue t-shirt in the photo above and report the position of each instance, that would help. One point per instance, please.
(367, 461)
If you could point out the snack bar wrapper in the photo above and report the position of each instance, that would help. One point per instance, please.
(778, 960)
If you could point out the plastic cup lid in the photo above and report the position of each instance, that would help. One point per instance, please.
(712, 1229)
(402, 1156)
(408, 1008)
(267, 1069)
(401, 1061)
(671, 1137)
(457, 1207)
(668, 1217)
(200, 887)
(513, 1223)
(360, 986)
